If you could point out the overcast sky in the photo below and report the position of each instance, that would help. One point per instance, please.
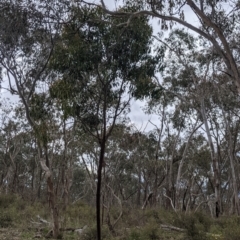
(137, 115)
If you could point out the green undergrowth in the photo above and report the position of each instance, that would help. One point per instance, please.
(19, 217)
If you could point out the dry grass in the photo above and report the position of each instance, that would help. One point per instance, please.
(18, 220)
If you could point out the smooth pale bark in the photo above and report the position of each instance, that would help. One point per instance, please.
(179, 174)
(220, 42)
(214, 158)
(44, 165)
(231, 158)
(67, 174)
(158, 147)
(139, 189)
(170, 196)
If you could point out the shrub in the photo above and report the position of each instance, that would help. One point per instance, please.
(231, 230)
(79, 214)
(151, 232)
(5, 220)
(196, 228)
(134, 235)
(90, 233)
(148, 232)
(6, 200)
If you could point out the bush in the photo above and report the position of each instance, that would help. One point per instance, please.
(151, 232)
(6, 201)
(148, 232)
(134, 235)
(79, 214)
(5, 220)
(90, 233)
(231, 230)
(204, 220)
(197, 226)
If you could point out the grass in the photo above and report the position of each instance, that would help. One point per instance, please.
(18, 220)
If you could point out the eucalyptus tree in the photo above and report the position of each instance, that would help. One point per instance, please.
(217, 23)
(190, 80)
(135, 161)
(100, 64)
(225, 124)
(27, 35)
(11, 146)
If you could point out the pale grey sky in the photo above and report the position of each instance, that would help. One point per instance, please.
(137, 115)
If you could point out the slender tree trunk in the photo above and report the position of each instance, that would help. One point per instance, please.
(33, 180)
(104, 192)
(15, 178)
(139, 189)
(178, 180)
(99, 183)
(65, 180)
(158, 147)
(39, 184)
(214, 160)
(234, 182)
(231, 158)
(155, 189)
(170, 186)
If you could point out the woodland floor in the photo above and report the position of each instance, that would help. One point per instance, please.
(21, 234)
(21, 220)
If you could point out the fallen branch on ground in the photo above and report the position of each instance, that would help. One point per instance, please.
(169, 227)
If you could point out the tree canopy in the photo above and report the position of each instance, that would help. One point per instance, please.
(75, 69)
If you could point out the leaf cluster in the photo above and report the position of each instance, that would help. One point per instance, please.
(98, 56)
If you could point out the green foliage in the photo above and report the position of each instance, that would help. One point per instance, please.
(231, 230)
(135, 224)
(6, 200)
(5, 219)
(151, 232)
(90, 233)
(40, 107)
(216, 230)
(14, 20)
(135, 234)
(155, 215)
(9, 209)
(193, 230)
(197, 225)
(98, 56)
(79, 214)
